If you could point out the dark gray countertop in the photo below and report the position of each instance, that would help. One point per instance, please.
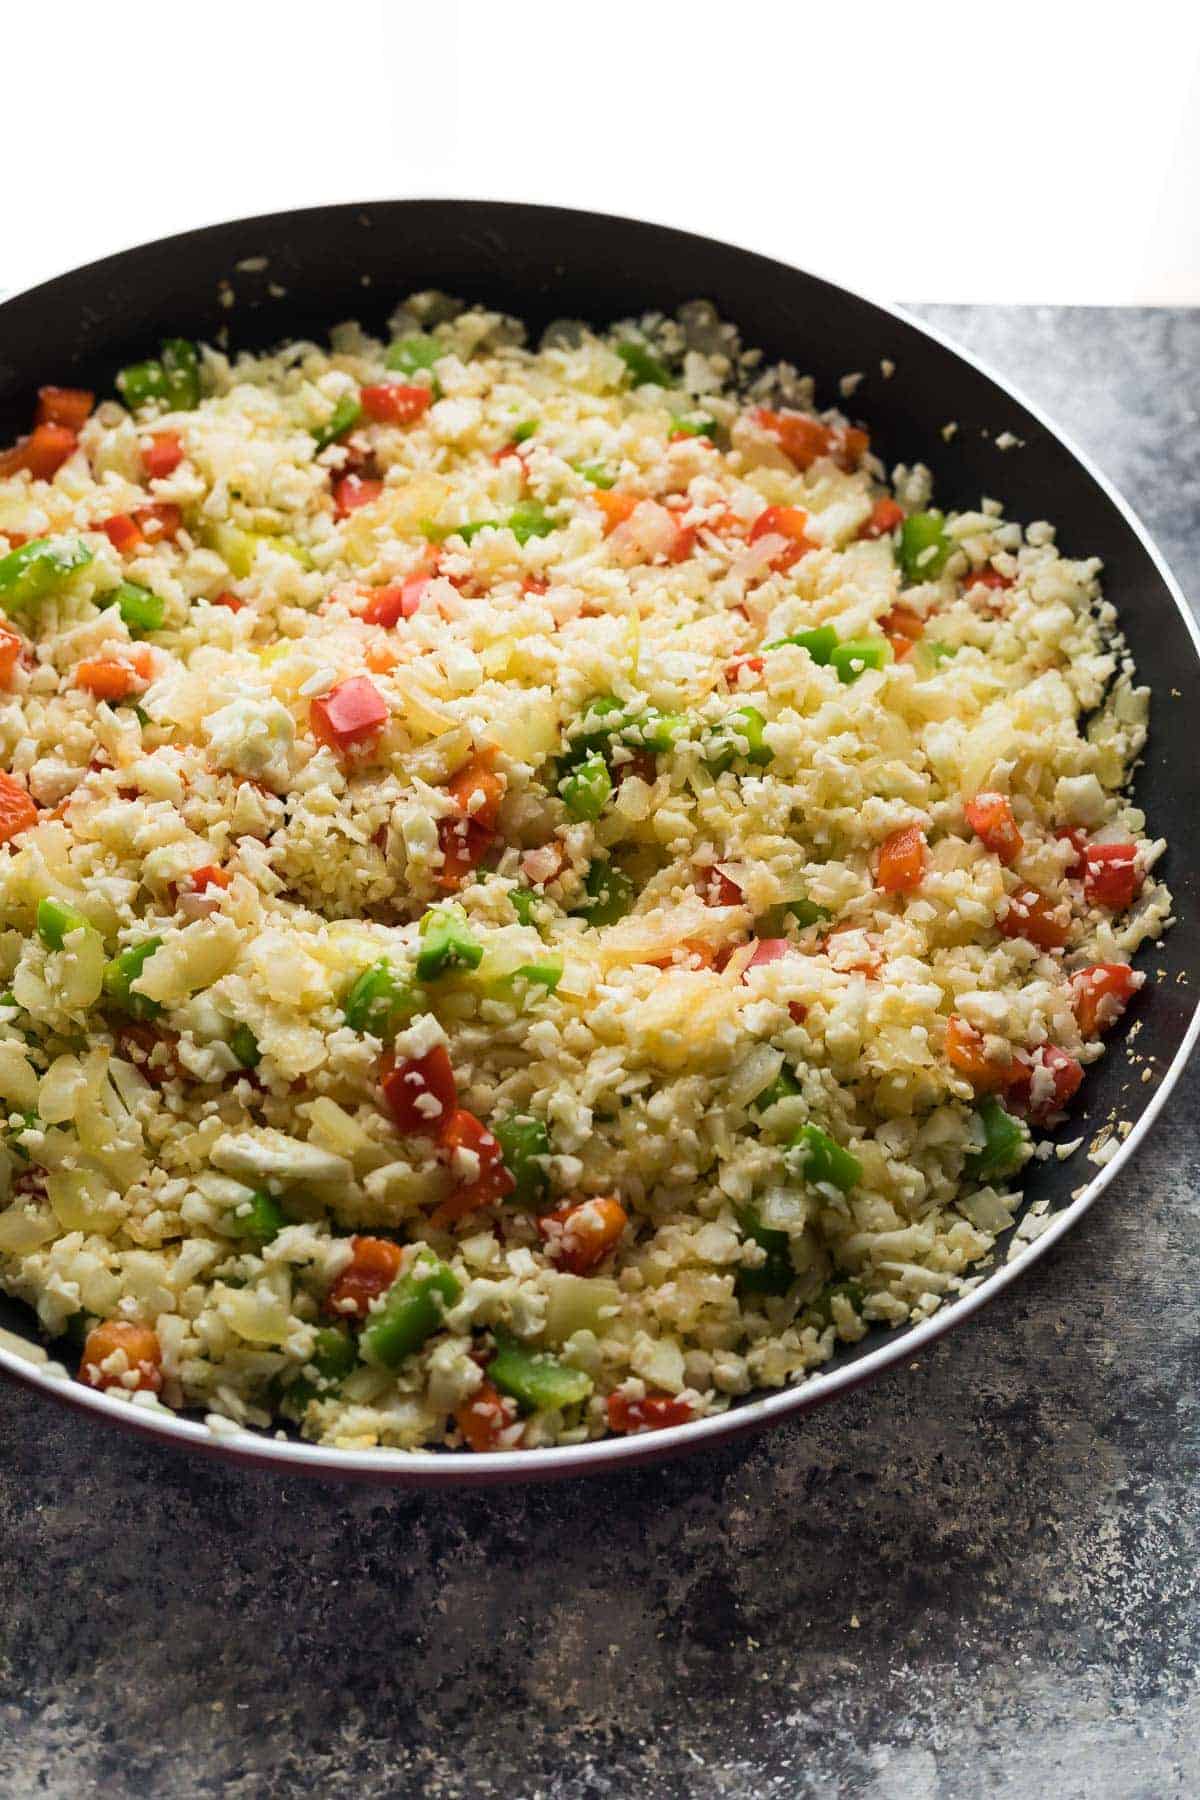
(976, 1577)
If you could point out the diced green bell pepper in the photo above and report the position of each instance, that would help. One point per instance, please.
(596, 473)
(411, 1311)
(540, 974)
(821, 1159)
(776, 1274)
(141, 610)
(523, 900)
(1003, 1142)
(123, 971)
(693, 427)
(530, 520)
(853, 657)
(784, 1087)
(523, 432)
(244, 1045)
(260, 1218)
(468, 533)
(603, 720)
(335, 1353)
(823, 1304)
(924, 548)
(537, 1381)
(659, 732)
(412, 354)
(334, 1356)
(34, 571)
(343, 418)
(379, 1000)
(587, 787)
(29, 1122)
(56, 921)
(820, 642)
(173, 376)
(142, 381)
(447, 942)
(610, 894)
(745, 726)
(643, 365)
(524, 1141)
(181, 372)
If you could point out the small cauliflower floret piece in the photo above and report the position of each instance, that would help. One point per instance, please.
(253, 736)
(266, 1154)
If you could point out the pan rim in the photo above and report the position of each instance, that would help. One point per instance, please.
(35, 1368)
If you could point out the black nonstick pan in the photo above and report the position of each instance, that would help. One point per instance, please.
(257, 282)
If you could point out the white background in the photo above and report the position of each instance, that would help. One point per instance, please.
(1019, 152)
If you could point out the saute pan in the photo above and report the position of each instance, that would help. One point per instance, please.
(258, 281)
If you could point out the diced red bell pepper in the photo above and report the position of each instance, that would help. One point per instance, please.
(114, 678)
(374, 1266)
(42, 453)
(463, 845)
(420, 1092)
(803, 439)
(388, 605)
(352, 491)
(768, 950)
(716, 888)
(162, 455)
(350, 715)
(477, 791)
(615, 507)
(11, 647)
(990, 817)
(492, 1182)
(1078, 842)
(123, 533)
(653, 1413)
(683, 544)
(988, 578)
(152, 1051)
(391, 403)
(142, 1356)
(510, 452)
(902, 628)
(209, 876)
(486, 1420)
(886, 514)
(161, 520)
(230, 600)
(581, 1235)
(1031, 915)
(734, 668)
(532, 584)
(902, 859)
(1110, 875)
(786, 522)
(965, 1051)
(1066, 1075)
(17, 810)
(1100, 994)
(64, 406)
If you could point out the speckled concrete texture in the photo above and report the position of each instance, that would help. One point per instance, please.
(976, 1578)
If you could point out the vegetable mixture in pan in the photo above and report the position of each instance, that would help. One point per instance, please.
(541, 889)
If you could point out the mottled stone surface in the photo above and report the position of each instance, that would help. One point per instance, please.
(975, 1578)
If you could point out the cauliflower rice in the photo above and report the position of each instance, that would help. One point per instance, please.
(489, 987)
